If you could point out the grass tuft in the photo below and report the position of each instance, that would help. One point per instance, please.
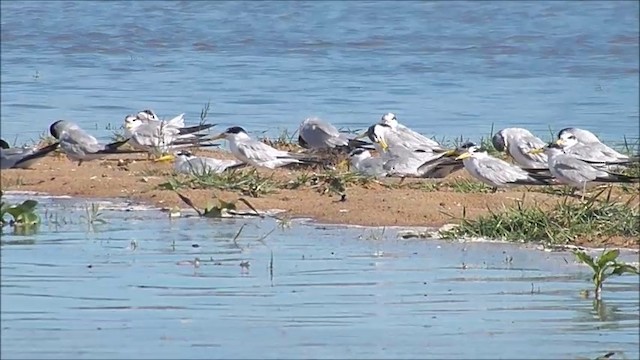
(248, 182)
(565, 222)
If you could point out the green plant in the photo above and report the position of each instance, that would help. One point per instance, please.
(23, 217)
(93, 215)
(285, 140)
(336, 182)
(562, 223)
(468, 186)
(604, 267)
(117, 132)
(247, 181)
(223, 209)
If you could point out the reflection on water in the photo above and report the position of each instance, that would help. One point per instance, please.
(142, 286)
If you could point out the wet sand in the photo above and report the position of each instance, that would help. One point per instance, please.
(134, 178)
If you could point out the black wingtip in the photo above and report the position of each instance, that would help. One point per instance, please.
(42, 152)
(195, 129)
(114, 145)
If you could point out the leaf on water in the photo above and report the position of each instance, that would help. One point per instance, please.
(28, 205)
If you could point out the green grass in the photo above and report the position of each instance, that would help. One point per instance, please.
(330, 181)
(563, 223)
(284, 141)
(468, 186)
(248, 182)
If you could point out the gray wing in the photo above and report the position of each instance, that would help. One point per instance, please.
(78, 141)
(24, 158)
(500, 172)
(595, 152)
(575, 170)
(261, 152)
(319, 133)
(523, 146)
(9, 157)
(155, 135)
(416, 140)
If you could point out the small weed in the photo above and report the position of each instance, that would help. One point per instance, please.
(93, 215)
(566, 221)
(604, 267)
(46, 139)
(468, 186)
(335, 182)
(117, 132)
(300, 181)
(285, 140)
(248, 182)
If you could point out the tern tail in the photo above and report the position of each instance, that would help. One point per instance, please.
(37, 154)
(195, 129)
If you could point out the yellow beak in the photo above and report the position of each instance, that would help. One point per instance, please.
(536, 151)
(450, 152)
(164, 158)
(560, 142)
(383, 145)
(463, 156)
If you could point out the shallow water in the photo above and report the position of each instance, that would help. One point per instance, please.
(121, 291)
(447, 69)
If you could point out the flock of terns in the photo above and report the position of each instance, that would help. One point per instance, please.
(576, 158)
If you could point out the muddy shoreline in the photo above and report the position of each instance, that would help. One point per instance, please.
(373, 204)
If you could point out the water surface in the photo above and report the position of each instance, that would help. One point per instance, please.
(129, 289)
(446, 69)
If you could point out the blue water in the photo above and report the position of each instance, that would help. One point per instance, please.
(445, 68)
(118, 290)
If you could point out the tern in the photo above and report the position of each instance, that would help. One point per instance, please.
(257, 153)
(496, 172)
(518, 143)
(22, 158)
(79, 145)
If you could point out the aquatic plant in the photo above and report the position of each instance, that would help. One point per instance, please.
(604, 267)
(223, 209)
(93, 215)
(21, 217)
(562, 223)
